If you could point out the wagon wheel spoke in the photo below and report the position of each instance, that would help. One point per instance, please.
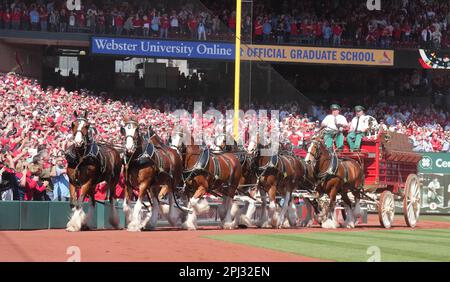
(417, 194)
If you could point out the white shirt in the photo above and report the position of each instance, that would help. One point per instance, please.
(434, 185)
(362, 125)
(330, 121)
(425, 34)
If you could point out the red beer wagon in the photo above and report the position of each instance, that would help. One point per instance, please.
(390, 168)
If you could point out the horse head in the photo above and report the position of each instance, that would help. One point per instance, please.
(80, 130)
(316, 149)
(252, 147)
(220, 141)
(131, 133)
(176, 140)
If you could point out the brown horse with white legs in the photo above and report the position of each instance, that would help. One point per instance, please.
(248, 190)
(155, 170)
(207, 172)
(277, 175)
(333, 176)
(88, 165)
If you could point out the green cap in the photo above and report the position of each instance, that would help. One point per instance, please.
(359, 108)
(335, 107)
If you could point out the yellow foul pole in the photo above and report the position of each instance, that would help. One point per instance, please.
(237, 68)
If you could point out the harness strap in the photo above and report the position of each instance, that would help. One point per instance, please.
(216, 167)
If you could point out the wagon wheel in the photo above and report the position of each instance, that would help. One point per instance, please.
(386, 209)
(411, 200)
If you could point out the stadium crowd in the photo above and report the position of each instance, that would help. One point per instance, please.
(406, 23)
(35, 129)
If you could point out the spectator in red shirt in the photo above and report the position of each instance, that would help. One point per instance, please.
(7, 19)
(101, 22)
(137, 25)
(15, 19)
(25, 19)
(232, 22)
(397, 34)
(43, 14)
(119, 21)
(406, 32)
(192, 24)
(81, 20)
(294, 29)
(337, 34)
(436, 143)
(146, 25)
(164, 28)
(318, 33)
(29, 180)
(258, 30)
(372, 37)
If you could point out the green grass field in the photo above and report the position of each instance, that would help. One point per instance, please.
(394, 245)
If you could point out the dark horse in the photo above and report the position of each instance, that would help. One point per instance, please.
(88, 165)
(277, 174)
(155, 169)
(207, 172)
(333, 176)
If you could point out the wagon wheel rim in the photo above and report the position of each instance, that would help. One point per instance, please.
(413, 202)
(388, 210)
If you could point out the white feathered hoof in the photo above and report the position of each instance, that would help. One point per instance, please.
(71, 229)
(134, 227)
(200, 206)
(165, 209)
(287, 224)
(188, 226)
(244, 220)
(264, 224)
(329, 224)
(306, 223)
(348, 224)
(229, 226)
(77, 221)
(275, 223)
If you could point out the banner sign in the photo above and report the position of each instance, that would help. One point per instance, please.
(434, 173)
(161, 48)
(138, 47)
(435, 163)
(318, 55)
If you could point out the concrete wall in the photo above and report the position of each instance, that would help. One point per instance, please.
(30, 56)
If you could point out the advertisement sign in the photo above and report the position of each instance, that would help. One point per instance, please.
(435, 163)
(434, 176)
(435, 193)
(138, 47)
(434, 173)
(161, 48)
(318, 55)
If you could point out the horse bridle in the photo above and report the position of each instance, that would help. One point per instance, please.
(133, 136)
(316, 158)
(316, 155)
(181, 150)
(85, 137)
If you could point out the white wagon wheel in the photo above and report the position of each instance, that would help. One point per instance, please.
(386, 209)
(411, 200)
